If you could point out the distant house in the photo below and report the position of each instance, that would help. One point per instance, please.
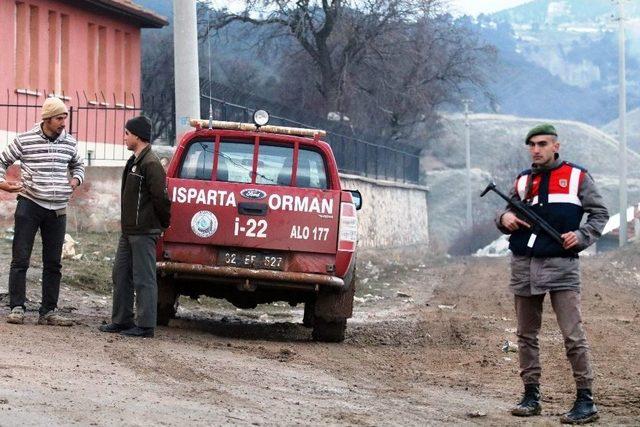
(86, 52)
(611, 233)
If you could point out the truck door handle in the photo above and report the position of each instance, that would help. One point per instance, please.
(252, 208)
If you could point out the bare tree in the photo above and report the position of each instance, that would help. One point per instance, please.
(429, 63)
(157, 81)
(336, 35)
(394, 60)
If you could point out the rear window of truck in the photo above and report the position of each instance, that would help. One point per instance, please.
(235, 164)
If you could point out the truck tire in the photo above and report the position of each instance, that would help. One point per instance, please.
(329, 331)
(332, 309)
(167, 300)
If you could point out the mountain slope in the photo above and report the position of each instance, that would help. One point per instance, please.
(566, 11)
(633, 129)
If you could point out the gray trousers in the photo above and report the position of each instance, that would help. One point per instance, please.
(566, 305)
(135, 271)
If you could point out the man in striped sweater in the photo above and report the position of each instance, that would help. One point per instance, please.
(47, 155)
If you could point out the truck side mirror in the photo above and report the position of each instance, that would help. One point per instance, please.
(357, 198)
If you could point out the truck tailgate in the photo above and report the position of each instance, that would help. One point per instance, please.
(253, 216)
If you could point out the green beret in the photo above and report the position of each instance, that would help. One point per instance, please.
(541, 129)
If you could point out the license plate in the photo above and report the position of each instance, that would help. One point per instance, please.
(251, 260)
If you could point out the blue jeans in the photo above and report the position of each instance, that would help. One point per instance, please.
(29, 217)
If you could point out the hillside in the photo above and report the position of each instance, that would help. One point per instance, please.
(498, 153)
(633, 129)
(566, 11)
(558, 59)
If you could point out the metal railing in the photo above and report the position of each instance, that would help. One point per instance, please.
(354, 155)
(97, 122)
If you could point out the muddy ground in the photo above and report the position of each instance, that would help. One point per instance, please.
(424, 347)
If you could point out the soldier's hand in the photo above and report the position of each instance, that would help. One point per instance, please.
(11, 187)
(570, 240)
(511, 222)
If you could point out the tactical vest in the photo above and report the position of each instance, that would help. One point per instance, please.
(553, 195)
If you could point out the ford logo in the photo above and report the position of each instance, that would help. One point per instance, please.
(253, 193)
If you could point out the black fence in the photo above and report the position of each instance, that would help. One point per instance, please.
(97, 122)
(354, 155)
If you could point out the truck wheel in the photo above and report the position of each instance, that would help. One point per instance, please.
(309, 313)
(332, 309)
(167, 301)
(332, 331)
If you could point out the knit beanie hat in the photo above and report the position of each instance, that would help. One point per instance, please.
(141, 127)
(53, 107)
(541, 129)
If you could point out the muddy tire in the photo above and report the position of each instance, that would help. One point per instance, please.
(332, 331)
(309, 314)
(332, 309)
(167, 301)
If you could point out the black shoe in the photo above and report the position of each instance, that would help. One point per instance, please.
(137, 331)
(530, 403)
(583, 411)
(114, 327)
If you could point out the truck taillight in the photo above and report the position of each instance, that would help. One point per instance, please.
(348, 227)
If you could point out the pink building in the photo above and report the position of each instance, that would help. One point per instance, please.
(86, 52)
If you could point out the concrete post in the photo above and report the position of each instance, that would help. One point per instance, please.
(185, 57)
(622, 86)
(467, 146)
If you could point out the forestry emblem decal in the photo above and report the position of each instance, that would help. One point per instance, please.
(204, 224)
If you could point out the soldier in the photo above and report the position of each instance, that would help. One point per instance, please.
(560, 193)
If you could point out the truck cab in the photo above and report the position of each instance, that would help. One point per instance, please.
(258, 215)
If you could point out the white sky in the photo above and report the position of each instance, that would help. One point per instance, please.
(476, 7)
(456, 7)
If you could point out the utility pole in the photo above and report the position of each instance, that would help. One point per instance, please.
(467, 145)
(622, 123)
(185, 62)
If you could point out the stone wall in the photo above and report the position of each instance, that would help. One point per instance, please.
(392, 214)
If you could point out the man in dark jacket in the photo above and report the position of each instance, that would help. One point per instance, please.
(560, 193)
(145, 214)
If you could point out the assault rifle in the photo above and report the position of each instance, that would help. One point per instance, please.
(523, 210)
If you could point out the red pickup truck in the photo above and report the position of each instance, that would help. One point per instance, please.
(258, 215)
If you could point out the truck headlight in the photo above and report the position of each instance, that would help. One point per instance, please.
(260, 117)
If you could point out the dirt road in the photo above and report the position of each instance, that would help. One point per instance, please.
(424, 347)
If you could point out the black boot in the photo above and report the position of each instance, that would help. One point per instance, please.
(583, 411)
(138, 331)
(530, 403)
(114, 327)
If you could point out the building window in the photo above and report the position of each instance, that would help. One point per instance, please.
(119, 63)
(22, 45)
(97, 63)
(54, 53)
(92, 50)
(27, 48)
(102, 58)
(34, 46)
(64, 52)
(58, 78)
(128, 70)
